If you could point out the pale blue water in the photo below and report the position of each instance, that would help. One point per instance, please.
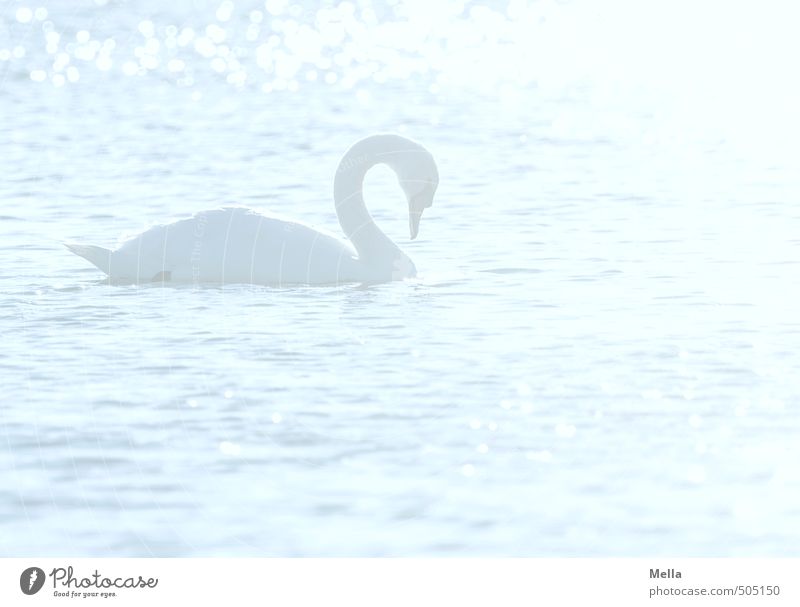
(600, 355)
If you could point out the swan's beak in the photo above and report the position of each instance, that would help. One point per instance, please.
(413, 223)
(416, 205)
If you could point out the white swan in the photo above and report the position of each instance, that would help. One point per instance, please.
(239, 245)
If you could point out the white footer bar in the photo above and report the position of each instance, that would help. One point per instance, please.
(401, 582)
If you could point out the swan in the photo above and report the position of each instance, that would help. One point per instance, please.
(236, 244)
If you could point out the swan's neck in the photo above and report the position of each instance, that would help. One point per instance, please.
(373, 246)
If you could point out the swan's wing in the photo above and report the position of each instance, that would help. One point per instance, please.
(237, 245)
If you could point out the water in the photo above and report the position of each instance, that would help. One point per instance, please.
(599, 357)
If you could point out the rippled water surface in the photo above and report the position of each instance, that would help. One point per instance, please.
(598, 358)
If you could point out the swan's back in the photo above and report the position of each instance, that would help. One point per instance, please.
(235, 245)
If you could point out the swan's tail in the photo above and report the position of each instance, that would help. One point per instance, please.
(97, 255)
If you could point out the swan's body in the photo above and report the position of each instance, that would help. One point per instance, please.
(230, 245)
(239, 245)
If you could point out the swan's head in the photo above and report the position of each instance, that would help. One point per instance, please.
(419, 178)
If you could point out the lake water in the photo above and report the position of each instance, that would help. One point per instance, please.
(599, 357)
